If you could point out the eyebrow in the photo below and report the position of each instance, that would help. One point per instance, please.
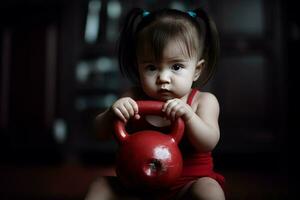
(175, 59)
(169, 60)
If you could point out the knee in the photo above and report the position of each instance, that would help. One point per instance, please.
(206, 189)
(99, 189)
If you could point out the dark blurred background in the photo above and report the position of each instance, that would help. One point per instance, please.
(59, 69)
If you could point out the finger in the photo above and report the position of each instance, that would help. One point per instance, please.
(137, 116)
(129, 109)
(119, 114)
(134, 105)
(177, 111)
(166, 105)
(173, 115)
(170, 107)
(124, 112)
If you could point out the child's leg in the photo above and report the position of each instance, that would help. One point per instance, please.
(107, 188)
(100, 189)
(204, 188)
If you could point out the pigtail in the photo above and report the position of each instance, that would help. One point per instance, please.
(126, 45)
(211, 44)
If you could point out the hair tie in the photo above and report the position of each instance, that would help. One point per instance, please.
(145, 13)
(192, 13)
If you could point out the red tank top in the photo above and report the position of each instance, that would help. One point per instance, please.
(194, 163)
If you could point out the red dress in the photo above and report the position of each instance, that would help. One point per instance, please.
(195, 164)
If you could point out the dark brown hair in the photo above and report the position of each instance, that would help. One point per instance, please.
(198, 32)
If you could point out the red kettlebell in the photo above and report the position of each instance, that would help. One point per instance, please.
(149, 159)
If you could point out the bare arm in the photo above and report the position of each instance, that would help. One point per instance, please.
(203, 128)
(201, 119)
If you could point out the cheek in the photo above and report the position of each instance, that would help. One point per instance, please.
(147, 81)
(186, 78)
(185, 83)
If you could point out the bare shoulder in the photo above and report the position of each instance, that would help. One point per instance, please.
(206, 101)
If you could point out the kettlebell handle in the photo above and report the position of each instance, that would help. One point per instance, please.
(150, 108)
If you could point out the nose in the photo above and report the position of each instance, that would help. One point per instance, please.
(163, 77)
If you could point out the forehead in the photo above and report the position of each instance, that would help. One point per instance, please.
(173, 48)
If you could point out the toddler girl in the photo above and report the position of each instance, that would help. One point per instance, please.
(165, 53)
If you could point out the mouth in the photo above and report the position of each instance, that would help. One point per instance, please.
(163, 91)
(165, 94)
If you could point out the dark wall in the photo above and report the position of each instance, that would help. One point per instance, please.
(54, 79)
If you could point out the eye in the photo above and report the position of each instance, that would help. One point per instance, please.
(151, 67)
(177, 67)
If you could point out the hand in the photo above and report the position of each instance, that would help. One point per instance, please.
(125, 108)
(175, 108)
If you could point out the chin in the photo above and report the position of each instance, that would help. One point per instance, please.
(165, 98)
(161, 96)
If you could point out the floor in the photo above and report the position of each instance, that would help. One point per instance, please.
(71, 181)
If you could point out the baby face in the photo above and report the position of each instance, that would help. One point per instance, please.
(170, 77)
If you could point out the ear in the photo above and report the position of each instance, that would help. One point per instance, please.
(199, 68)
